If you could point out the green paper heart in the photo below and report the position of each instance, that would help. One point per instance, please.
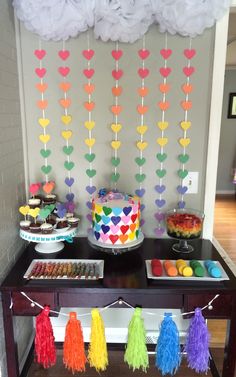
(51, 207)
(68, 149)
(161, 156)
(183, 158)
(98, 217)
(161, 173)
(137, 233)
(115, 177)
(140, 177)
(44, 213)
(91, 172)
(140, 161)
(115, 161)
(90, 156)
(45, 152)
(107, 210)
(93, 223)
(182, 173)
(46, 169)
(69, 165)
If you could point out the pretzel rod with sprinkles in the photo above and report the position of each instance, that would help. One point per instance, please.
(116, 109)
(162, 140)
(142, 109)
(89, 124)
(184, 141)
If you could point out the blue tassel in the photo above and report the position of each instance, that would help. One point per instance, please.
(168, 355)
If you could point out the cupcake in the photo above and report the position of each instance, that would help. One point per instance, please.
(35, 227)
(25, 224)
(46, 228)
(34, 202)
(50, 199)
(73, 222)
(61, 223)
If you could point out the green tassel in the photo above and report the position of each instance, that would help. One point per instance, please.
(136, 355)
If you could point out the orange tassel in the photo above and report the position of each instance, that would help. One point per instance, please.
(73, 351)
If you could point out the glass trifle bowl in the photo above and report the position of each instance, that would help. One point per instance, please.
(184, 224)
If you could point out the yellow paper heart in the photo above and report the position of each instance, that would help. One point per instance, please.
(34, 212)
(66, 134)
(142, 129)
(89, 125)
(98, 209)
(44, 122)
(185, 125)
(141, 145)
(162, 125)
(131, 236)
(116, 127)
(184, 142)
(66, 119)
(24, 210)
(44, 138)
(90, 142)
(115, 144)
(162, 141)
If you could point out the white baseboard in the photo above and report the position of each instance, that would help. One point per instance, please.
(225, 192)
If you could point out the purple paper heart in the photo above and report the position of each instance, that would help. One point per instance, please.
(97, 235)
(142, 221)
(90, 189)
(69, 181)
(70, 197)
(89, 205)
(142, 206)
(160, 188)
(89, 217)
(116, 219)
(61, 212)
(181, 204)
(71, 207)
(126, 211)
(182, 189)
(105, 228)
(140, 192)
(159, 231)
(159, 216)
(160, 202)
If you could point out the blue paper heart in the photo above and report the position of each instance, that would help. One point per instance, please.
(181, 204)
(69, 181)
(126, 210)
(97, 227)
(89, 217)
(106, 219)
(182, 189)
(105, 228)
(117, 211)
(89, 205)
(160, 188)
(142, 206)
(140, 192)
(115, 219)
(70, 196)
(90, 189)
(97, 235)
(160, 202)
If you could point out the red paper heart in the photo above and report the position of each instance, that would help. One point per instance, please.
(165, 71)
(116, 109)
(64, 54)
(142, 109)
(187, 88)
(65, 86)
(89, 106)
(143, 91)
(117, 54)
(64, 71)
(89, 88)
(113, 238)
(116, 91)
(164, 105)
(134, 217)
(42, 104)
(144, 54)
(164, 88)
(143, 72)
(188, 71)
(166, 53)
(65, 102)
(124, 229)
(186, 105)
(189, 53)
(41, 86)
(88, 73)
(40, 72)
(40, 54)
(88, 54)
(117, 74)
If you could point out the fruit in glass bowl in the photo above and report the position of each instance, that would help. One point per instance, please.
(184, 224)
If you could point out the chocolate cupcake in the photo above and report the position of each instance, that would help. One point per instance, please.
(73, 222)
(35, 227)
(34, 202)
(50, 199)
(25, 225)
(46, 228)
(61, 223)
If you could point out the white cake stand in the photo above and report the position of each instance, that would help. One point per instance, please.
(49, 243)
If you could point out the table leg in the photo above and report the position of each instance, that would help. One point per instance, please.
(230, 345)
(11, 346)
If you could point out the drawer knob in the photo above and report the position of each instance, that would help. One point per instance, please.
(210, 307)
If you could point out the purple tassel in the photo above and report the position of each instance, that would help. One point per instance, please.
(197, 343)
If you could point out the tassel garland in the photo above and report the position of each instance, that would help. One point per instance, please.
(45, 350)
(73, 350)
(97, 352)
(136, 355)
(197, 343)
(168, 356)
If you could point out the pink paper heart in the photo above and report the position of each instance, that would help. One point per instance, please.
(143, 72)
(125, 219)
(64, 54)
(117, 54)
(104, 237)
(144, 54)
(166, 53)
(34, 188)
(117, 74)
(88, 73)
(189, 53)
(40, 72)
(64, 71)
(135, 208)
(114, 228)
(88, 54)
(165, 71)
(188, 71)
(40, 54)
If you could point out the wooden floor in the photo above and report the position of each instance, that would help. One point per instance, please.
(225, 233)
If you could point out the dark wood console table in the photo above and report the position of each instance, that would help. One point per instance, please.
(124, 277)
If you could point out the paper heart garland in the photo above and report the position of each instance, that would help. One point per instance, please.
(143, 91)
(88, 73)
(69, 181)
(143, 72)
(165, 71)
(144, 53)
(89, 106)
(64, 54)
(181, 204)
(162, 141)
(184, 142)
(188, 71)
(161, 173)
(159, 231)
(44, 122)
(89, 125)
(183, 158)
(185, 125)
(45, 153)
(44, 138)
(182, 173)
(116, 127)
(182, 189)
(116, 91)
(91, 172)
(41, 86)
(164, 88)
(189, 53)
(186, 105)
(69, 165)
(163, 125)
(140, 177)
(116, 144)
(142, 129)
(42, 104)
(140, 161)
(40, 54)
(115, 177)
(159, 216)
(160, 188)
(66, 134)
(66, 119)
(164, 105)
(117, 74)
(88, 54)
(70, 196)
(68, 149)
(117, 54)
(90, 157)
(161, 157)
(65, 102)
(90, 142)
(141, 145)
(115, 161)
(24, 210)
(89, 88)
(187, 88)
(116, 109)
(142, 109)
(166, 53)
(46, 169)
(40, 72)
(160, 203)
(65, 86)
(90, 189)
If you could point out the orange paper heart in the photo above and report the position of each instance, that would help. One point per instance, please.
(65, 102)
(48, 187)
(187, 88)
(116, 91)
(42, 104)
(65, 86)
(164, 105)
(142, 109)
(143, 91)
(132, 227)
(123, 238)
(186, 105)
(89, 88)
(89, 106)
(164, 88)
(116, 109)
(41, 86)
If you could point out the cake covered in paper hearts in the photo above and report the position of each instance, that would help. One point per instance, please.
(115, 217)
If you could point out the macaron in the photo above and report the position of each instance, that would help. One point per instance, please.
(198, 270)
(156, 267)
(170, 268)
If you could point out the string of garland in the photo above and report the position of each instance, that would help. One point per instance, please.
(184, 141)
(66, 119)
(162, 141)
(140, 177)
(116, 109)
(89, 124)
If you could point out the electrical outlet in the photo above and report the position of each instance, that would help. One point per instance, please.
(191, 182)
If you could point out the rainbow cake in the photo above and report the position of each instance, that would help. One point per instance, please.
(115, 217)
(184, 225)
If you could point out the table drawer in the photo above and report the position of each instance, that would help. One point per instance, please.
(221, 307)
(22, 306)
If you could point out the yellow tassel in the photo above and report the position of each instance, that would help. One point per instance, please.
(97, 352)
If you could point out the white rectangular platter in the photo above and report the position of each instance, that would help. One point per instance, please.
(92, 269)
(207, 277)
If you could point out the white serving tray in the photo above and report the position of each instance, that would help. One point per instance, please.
(164, 276)
(98, 262)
